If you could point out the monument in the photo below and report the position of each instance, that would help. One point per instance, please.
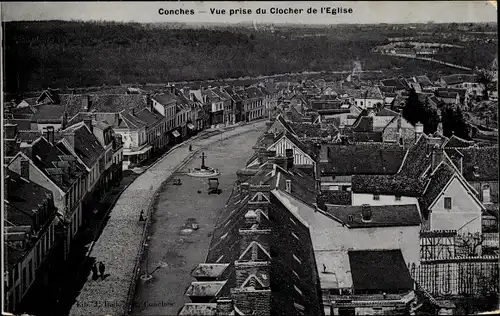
(203, 171)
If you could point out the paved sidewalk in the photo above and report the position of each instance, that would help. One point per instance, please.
(121, 242)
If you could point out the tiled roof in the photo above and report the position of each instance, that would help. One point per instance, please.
(49, 112)
(86, 145)
(418, 157)
(458, 78)
(302, 185)
(440, 177)
(337, 197)
(386, 112)
(479, 163)
(370, 270)
(313, 130)
(457, 142)
(388, 185)
(375, 158)
(382, 215)
(105, 103)
(22, 124)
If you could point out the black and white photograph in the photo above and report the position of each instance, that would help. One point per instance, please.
(249, 158)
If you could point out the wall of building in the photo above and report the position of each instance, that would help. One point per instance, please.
(465, 213)
(330, 235)
(363, 198)
(299, 157)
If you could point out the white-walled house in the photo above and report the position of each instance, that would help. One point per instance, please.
(451, 203)
(337, 229)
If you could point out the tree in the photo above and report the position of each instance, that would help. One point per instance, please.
(454, 122)
(415, 111)
(485, 78)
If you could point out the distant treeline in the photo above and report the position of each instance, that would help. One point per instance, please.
(61, 54)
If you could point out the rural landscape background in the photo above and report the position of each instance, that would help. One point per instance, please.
(66, 54)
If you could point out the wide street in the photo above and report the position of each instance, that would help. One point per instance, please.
(121, 241)
(177, 253)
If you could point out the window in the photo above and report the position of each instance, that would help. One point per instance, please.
(376, 197)
(398, 197)
(447, 203)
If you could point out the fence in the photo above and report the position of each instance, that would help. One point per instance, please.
(460, 276)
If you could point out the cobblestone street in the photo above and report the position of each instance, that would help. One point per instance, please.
(121, 241)
(178, 253)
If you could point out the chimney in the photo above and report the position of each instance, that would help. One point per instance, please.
(244, 187)
(289, 157)
(70, 138)
(288, 187)
(133, 111)
(50, 134)
(366, 213)
(86, 100)
(437, 156)
(25, 169)
(486, 194)
(10, 131)
(419, 130)
(88, 122)
(224, 307)
(27, 149)
(280, 161)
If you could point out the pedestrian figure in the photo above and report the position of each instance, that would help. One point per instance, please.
(324, 268)
(102, 268)
(141, 216)
(94, 271)
(190, 147)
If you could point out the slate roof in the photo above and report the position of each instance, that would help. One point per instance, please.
(23, 195)
(386, 112)
(375, 158)
(388, 185)
(424, 81)
(418, 158)
(370, 270)
(130, 121)
(22, 124)
(164, 98)
(46, 156)
(148, 116)
(440, 177)
(87, 146)
(382, 215)
(395, 82)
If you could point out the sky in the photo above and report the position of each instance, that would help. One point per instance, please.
(362, 11)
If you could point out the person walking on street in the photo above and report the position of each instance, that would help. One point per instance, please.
(141, 216)
(102, 268)
(94, 271)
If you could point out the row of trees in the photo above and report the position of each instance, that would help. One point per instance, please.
(452, 118)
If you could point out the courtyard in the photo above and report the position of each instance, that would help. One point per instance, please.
(174, 252)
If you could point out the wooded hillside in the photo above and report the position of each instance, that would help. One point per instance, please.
(60, 53)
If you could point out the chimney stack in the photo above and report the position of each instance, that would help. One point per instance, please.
(280, 161)
(419, 130)
(366, 212)
(288, 187)
(70, 137)
(88, 122)
(25, 169)
(244, 187)
(437, 156)
(27, 149)
(289, 157)
(224, 307)
(50, 134)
